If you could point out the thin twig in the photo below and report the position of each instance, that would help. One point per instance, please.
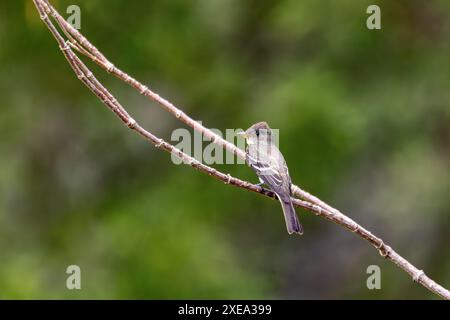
(311, 203)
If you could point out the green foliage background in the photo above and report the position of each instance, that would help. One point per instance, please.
(364, 120)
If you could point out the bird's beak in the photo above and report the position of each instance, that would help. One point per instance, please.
(242, 134)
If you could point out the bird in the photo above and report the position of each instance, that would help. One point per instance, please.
(263, 156)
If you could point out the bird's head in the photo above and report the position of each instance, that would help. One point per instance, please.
(260, 130)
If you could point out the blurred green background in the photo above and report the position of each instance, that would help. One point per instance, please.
(364, 119)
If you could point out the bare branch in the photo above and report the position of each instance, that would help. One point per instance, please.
(311, 203)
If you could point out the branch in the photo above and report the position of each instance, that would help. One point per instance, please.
(307, 201)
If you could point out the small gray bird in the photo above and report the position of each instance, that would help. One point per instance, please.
(267, 161)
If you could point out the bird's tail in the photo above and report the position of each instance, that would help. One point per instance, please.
(292, 223)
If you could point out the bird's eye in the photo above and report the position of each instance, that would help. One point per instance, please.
(257, 133)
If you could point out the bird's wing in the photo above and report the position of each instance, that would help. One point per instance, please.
(268, 173)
